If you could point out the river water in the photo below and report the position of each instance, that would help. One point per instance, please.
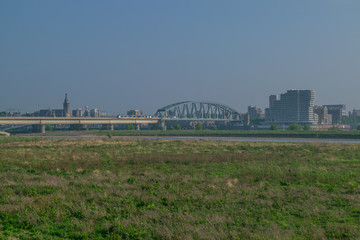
(236, 139)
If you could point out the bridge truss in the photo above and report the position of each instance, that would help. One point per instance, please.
(190, 110)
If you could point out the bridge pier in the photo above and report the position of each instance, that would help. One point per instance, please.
(137, 127)
(108, 127)
(38, 128)
(78, 127)
(162, 125)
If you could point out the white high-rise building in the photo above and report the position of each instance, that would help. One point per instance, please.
(294, 106)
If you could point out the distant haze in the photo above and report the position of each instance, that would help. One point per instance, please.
(121, 55)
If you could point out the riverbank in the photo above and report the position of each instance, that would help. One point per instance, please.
(212, 133)
(242, 133)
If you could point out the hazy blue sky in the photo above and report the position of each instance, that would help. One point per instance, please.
(120, 55)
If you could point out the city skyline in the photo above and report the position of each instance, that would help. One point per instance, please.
(281, 103)
(144, 55)
(77, 107)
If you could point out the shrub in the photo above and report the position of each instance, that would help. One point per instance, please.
(131, 180)
(130, 127)
(177, 127)
(307, 127)
(295, 127)
(198, 126)
(274, 127)
(48, 128)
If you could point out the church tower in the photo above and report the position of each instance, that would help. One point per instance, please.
(66, 107)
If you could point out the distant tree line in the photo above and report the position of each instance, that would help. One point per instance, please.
(353, 120)
(256, 121)
(292, 127)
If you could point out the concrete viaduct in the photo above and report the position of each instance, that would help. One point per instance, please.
(181, 111)
(76, 123)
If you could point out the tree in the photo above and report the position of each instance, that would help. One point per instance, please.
(214, 127)
(358, 127)
(295, 127)
(48, 128)
(109, 134)
(347, 120)
(273, 127)
(307, 127)
(255, 121)
(177, 127)
(353, 120)
(198, 126)
(130, 127)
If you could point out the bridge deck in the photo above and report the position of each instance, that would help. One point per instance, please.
(71, 120)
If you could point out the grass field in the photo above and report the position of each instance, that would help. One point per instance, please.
(354, 134)
(141, 189)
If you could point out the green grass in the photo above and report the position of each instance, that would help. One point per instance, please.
(354, 134)
(137, 189)
(17, 139)
(240, 133)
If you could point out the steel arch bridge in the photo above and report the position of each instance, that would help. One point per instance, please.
(190, 110)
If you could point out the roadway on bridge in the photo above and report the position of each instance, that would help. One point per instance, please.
(71, 120)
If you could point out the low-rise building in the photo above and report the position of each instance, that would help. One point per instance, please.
(322, 115)
(337, 111)
(86, 112)
(65, 112)
(95, 112)
(355, 113)
(256, 112)
(77, 113)
(135, 112)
